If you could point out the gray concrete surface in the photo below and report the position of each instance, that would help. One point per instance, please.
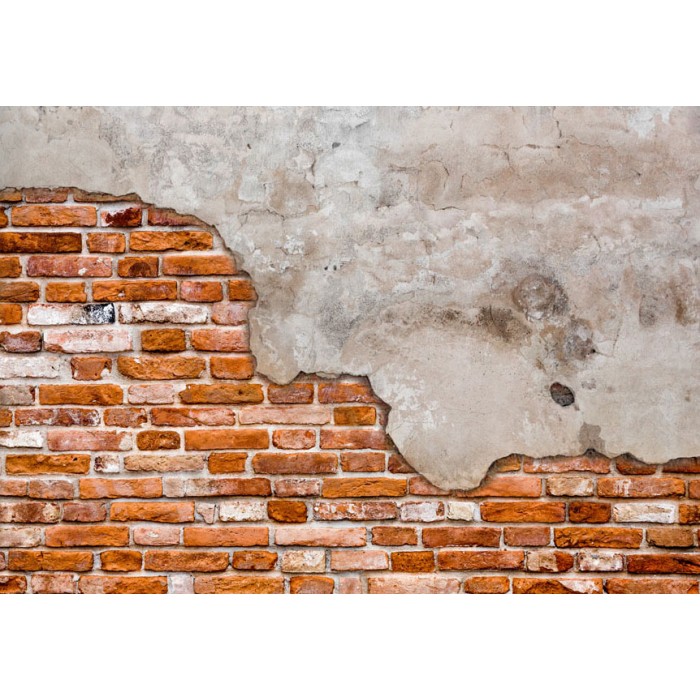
(464, 259)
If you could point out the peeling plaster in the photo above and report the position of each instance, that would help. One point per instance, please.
(465, 260)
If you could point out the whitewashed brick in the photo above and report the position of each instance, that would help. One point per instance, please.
(240, 511)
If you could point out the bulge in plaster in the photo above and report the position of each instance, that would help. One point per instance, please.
(466, 260)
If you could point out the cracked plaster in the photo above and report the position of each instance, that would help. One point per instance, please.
(463, 259)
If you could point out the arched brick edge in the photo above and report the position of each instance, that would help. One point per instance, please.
(142, 454)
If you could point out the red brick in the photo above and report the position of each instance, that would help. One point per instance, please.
(156, 535)
(134, 291)
(456, 560)
(47, 464)
(232, 367)
(608, 537)
(170, 240)
(51, 489)
(690, 465)
(386, 536)
(549, 586)
(304, 463)
(461, 536)
(203, 265)
(419, 486)
(80, 395)
(663, 563)
(191, 417)
(121, 488)
(297, 487)
(239, 584)
(363, 461)
(19, 291)
(344, 392)
(87, 536)
(586, 512)
(640, 487)
(363, 487)
(220, 340)
(311, 584)
(321, 536)
(227, 462)
(487, 584)
(234, 439)
(241, 290)
(123, 584)
(122, 218)
(69, 266)
(413, 562)
(65, 292)
(669, 537)
(169, 217)
(294, 439)
(91, 369)
(688, 514)
(125, 417)
(120, 560)
(222, 393)
(175, 512)
(287, 511)
(174, 560)
(254, 561)
(27, 341)
(38, 215)
(106, 242)
(627, 464)
(226, 536)
(650, 585)
(40, 242)
(84, 512)
(193, 290)
(527, 536)
(353, 439)
(519, 512)
(145, 266)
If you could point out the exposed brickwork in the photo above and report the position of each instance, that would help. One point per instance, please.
(142, 454)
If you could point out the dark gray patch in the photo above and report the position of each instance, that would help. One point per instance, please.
(578, 341)
(502, 324)
(589, 436)
(96, 314)
(561, 394)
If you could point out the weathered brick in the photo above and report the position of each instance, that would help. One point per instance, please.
(387, 536)
(640, 487)
(563, 585)
(549, 560)
(29, 512)
(134, 291)
(345, 392)
(241, 290)
(239, 584)
(304, 561)
(627, 464)
(300, 463)
(21, 438)
(222, 393)
(40, 242)
(413, 562)
(44, 195)
(53, 583)
(163, 340)
(487, 584)
(688, 514)
(173, 560)
(49, 561)
(522, 512)
(254, 561)
(87, 340)
(527, 536)
(219, 487)
(363, 487)
(297, 487)
(159, 312)
(508, 487)
(193, 290)
(355, 415)
(80, 395)
(122, 218)
(63, 315)
(242, 511)
(13, 487)
(89, 440)
(294, 439)
(589, 462)
(106, 242)
(87, 536)
(570, 486)
(362, 461)
(164, 463)
(45, 215)
(292, 415)
(65, 292)
(356, 510)
(19, 291)
(287, 511)
(13, 584)
(51, 489)
(645, 513)
(353, 439)
(90, 368)
(608, 537)
(27, 341)
(123, 584)
(176, 512)
(158, 440)
(232, 367)
(69, 266)
(600, 561)
(404, 583)
(250, 536)
(220, 340)
(125, 417)
(227, 462)
(368, 560)
(145, 266)
(233, 439)
(320, 536)
(462, 510)
(156, 535)
(151, 393)
(84, 512)
(10, 267)
(586, 512)
(226, 313)
(646, 586)
(202, 265)
(422, 511)
(170, 240)
(663, 563)
(191, 417)
(468, 536)
(669, 537)
(47, 464)
(121, 488)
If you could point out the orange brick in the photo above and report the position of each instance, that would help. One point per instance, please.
(120, 560)
(233, 439)
(106, 242)
(85, 395)
(125, 417)
(294, 439)
(19, 291)
(232, 367)
(87, 536)
(220, 340)
(169, 217)
(192, 290)
(10, 267)
(91, 369)
(487, 584)
(413, 562)
(203, 265)
(387, 536)
(527, 536)
(608, 537)
(47, 464)
(640, 487)
(586, 512)
(549, 586)
(688, 514)
(239, 584)
(519, 512)
(191, 417)
(344, 392)
(146, 266)
(69, 266)
(158, 440)
(123, 584)
(222, 393)
(241, 290)
(10, 314)
(469, 536)
(254, 561)
(355, 415)
(161, 290)
(681, 563)
(287, 511)
(363, 461)
(311, 584)
(226, 536)
(170, 240)
(176, 512)
(456, 560)
(507, 487)
(13, 584)
(149, 368)
(363, 487)
(669, 537)
(174, 560)
(227, 462)
(302, 463)
(353, 439)
(646, 586)
(39, 215)
(163, 340)
(65, 292)
(121, 488)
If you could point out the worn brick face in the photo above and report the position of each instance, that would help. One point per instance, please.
(141, 453)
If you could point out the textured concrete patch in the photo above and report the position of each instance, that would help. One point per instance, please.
(467, 261)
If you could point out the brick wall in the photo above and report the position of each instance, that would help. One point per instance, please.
(141, 452)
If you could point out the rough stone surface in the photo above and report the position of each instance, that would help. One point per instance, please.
(465, 260)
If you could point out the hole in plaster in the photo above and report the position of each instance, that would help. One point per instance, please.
(561, 394)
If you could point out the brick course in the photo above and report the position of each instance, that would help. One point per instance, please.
(138, 446)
